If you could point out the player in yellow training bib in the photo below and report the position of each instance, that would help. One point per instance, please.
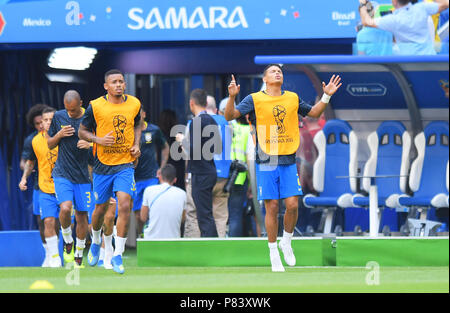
(273, 113)
(48, 204)
(112, 123)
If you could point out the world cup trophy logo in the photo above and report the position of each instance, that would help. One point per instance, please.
(119, 123)
(51, 158)
(279, 113)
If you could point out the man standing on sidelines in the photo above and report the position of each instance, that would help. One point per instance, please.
(204, 142)
(71, 175)
(274, 114)
(112, 123)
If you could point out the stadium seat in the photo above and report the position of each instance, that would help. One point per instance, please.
(429, 175)
(337, 147)
(389, 148)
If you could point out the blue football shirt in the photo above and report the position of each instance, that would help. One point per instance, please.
(72, 162)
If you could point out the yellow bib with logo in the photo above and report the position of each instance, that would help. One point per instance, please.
(118, 119)
(277, 122)
(46, 162)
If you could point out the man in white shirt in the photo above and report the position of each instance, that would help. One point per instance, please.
(408, 24)
(163, 206)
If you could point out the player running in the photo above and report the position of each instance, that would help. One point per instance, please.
(112, 123)
(49, 208)
(71, 175)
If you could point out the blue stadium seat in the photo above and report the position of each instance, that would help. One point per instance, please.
(389, 148)
(337, 147)
(429, 171)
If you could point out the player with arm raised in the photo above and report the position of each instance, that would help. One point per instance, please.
(273, 113)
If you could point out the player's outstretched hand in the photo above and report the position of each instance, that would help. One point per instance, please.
(333, 85)
(233, 89)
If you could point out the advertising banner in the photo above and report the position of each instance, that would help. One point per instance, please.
(174, 20)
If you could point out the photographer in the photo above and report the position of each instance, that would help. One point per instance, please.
(238, 187)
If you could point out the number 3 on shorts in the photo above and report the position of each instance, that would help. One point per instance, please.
(88, 195)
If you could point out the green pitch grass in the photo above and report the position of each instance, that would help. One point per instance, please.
(225, 279)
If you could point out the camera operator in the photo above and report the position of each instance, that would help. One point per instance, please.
(238, 187)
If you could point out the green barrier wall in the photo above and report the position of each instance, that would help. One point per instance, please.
(315, 251)
(223, 252)
(401, 251)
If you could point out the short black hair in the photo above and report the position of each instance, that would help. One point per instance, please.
(404, 2)
(48, 109)
(168, 173)
(269, 66)
(35, 110)
(199, 96)
(112, 72)
(71, 95)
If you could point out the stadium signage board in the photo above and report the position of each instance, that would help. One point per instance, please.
(174, 20)
(366, 90)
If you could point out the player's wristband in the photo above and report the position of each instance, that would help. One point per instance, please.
(325, 98)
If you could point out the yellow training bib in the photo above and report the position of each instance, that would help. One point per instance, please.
(118, 118)
(46, 162)
(277, 122)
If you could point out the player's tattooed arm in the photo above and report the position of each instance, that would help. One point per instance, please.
(28, 169)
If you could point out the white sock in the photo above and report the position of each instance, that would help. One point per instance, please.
(108, 244)
(273, 248)
(120, 245)
(96, 236)
(102, 254)
(81, 244)
(287, 237)
(52, 244)
(67, 234)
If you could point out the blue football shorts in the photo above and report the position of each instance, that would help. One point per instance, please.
(36, 210)
(79, 194)
(48, 205)
(105, 186)
(277, 181)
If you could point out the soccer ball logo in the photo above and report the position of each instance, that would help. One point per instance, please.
(119, 123)
(279, 113)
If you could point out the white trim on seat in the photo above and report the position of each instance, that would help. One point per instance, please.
(405, 161)
(440, 200)
(392, 201)
(353, 164)
(309, 195)
(319, 164)
(345, 200)
(370, 167)
(417, 165)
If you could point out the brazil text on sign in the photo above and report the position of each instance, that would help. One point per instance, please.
(155, 20)
(366, 90)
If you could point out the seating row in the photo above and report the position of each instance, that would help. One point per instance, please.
(422, 184)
